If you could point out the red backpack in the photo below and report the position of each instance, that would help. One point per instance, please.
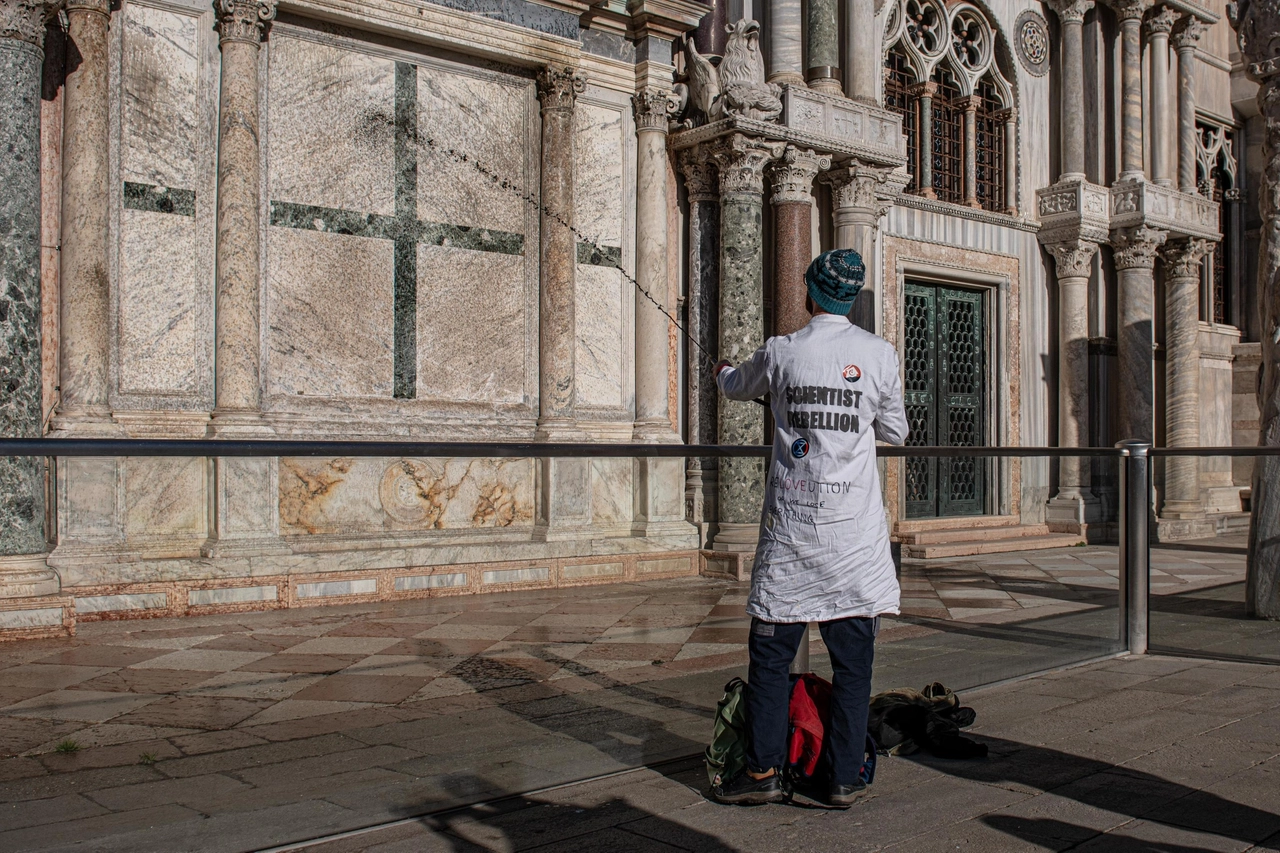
(808, 717)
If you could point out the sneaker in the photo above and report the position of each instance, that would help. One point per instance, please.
(843, 796)
(742, 790)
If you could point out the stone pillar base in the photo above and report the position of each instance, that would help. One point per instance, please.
(734, 565)
(37, 618)
(564, 499)
(736, 537)
(659, 497)
(246, 493)
(27, 576)
(1172, 529)
(1072, 513)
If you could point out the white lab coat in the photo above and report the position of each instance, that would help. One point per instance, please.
(824, 542)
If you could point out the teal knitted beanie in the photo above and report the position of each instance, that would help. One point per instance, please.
(834, 279)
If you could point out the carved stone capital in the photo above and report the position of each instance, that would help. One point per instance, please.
(1256, 24)
(1161, 23)
(24, 20)
(559, 87)
(699, 172)
(1131, 10)
(653, 108)
(1188, 35)
(1008, 114)
(1074, 258)
(1135, 248)
(968, 103)
(1071, 11)
(793, 175)
(741, 161)
(858, 187)
(1182, 258)
(927, 89)
(243, 20)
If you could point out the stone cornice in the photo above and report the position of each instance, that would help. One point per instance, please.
(24, 20)
(665, 19)
(243, 20)
(976, 214)
(1135, 203)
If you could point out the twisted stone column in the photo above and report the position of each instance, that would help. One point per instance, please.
(823, 72)
(1182, 374)
(1158, 28)
(1131, 162)
(22, 503)
(558, 90)
(702, 323)
(924, 176)
(785, 26)
(741, 161)
(1185, 41)
(1135, 256)
(1071, 15)
(862, 48)
(241, 27)
(1074, 265)
(793, 223)
(85, 283)
(653, 423)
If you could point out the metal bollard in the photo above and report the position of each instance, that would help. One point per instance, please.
(1135, 545)
(800, 663)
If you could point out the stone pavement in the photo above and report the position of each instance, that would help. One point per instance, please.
(1133, 754)
(240, 731)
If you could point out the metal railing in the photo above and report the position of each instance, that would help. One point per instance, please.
(1135, 494)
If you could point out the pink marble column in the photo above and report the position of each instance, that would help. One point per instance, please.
(792, 201)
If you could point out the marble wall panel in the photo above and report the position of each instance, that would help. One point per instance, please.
(163, 181)
(329, 314)
(330, 126)
(600, 336)
(157, 292)
(327, 496)
(475, 332)
(612, 500)
(165, 496)
(490, 117)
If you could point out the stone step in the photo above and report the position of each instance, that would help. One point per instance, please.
(992, 546)
(973, 534)
(967, 522)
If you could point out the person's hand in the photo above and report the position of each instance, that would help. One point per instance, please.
(721, 366)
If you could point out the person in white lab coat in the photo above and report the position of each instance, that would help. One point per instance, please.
(824, 542)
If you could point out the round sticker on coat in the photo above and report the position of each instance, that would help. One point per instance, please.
(852, 373)
(800, 448)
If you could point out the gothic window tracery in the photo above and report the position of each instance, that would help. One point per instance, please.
(953, 47)
(1216, 179)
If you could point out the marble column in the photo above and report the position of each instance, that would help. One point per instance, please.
(1074, 266)
(785, 55)
(741, 161)
(558, 89)
(1071, 16)
(792, 202)
(702, 323)
(653, 422)
(1010, 119)
(1158, 28)
(1185, 41)
(857, 207)
(23, 572)
(924, 174)
(970, 107)
(1135, 254)
(862, 51)
(1131, 160)
(564, 501)
(246, 515)
(1182, 374)
(823, 35)
(85, 281)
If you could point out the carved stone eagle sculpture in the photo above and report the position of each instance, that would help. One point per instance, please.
(736, 87)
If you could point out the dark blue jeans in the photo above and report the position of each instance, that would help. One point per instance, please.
(772, 646)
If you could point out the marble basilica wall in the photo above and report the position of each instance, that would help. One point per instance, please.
(399, 293)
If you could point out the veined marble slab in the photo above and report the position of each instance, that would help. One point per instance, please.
(157, 290)
(330, 119)
(161, 69)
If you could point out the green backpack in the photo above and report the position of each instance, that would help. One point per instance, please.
(726, 757)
